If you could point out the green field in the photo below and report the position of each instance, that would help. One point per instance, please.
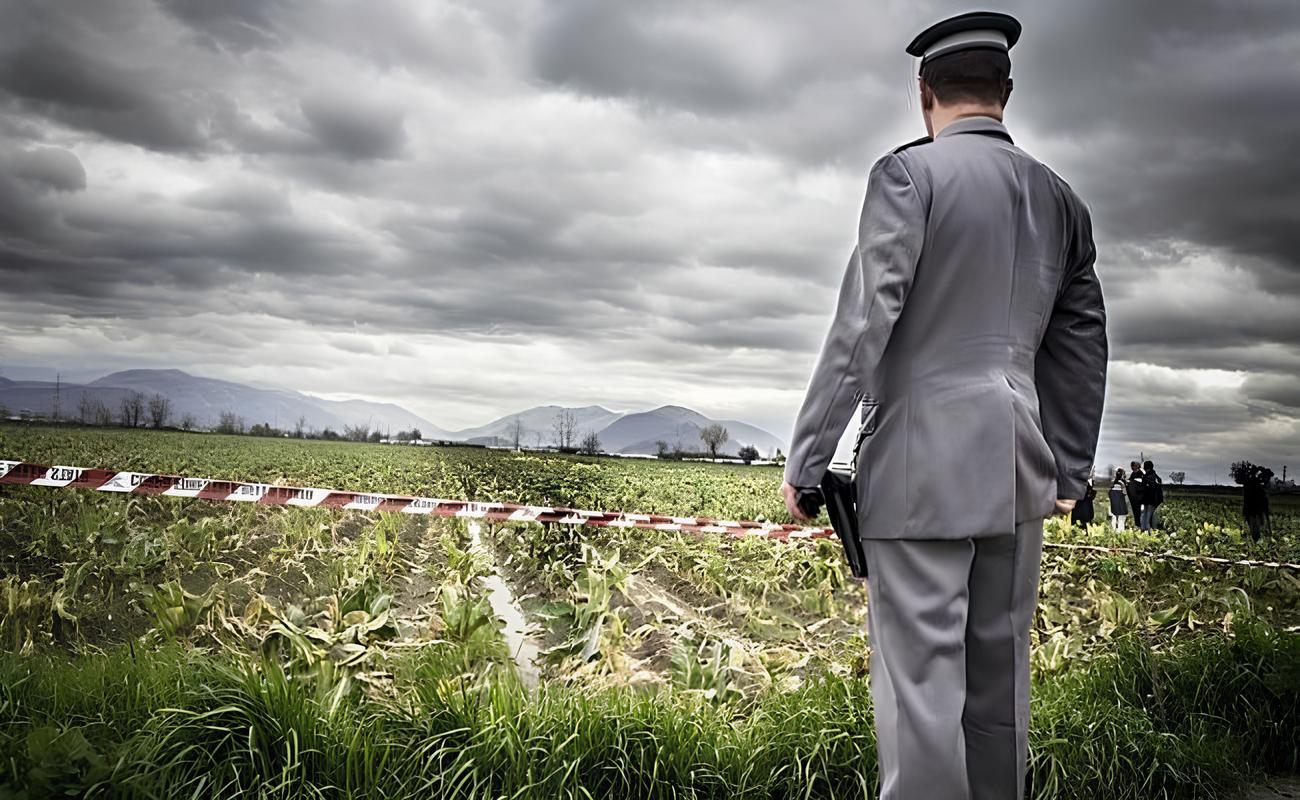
(160, 647)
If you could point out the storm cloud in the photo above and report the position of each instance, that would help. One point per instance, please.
(471, 207)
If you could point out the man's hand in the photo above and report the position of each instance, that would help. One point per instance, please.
(1064, 507)
(791, 496)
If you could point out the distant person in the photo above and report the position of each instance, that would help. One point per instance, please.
(1254, 504)
(1135, 491)
(1118, 497)
(1083, 512)
(970, 316)
(1153, 494)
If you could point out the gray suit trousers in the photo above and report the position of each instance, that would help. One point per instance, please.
(949, 624)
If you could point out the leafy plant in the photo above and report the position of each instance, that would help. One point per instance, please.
(176, 612)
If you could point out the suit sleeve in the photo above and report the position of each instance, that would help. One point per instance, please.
(1070, 368)
(876, 282)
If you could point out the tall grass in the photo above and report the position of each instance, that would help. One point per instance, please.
(1188, 722)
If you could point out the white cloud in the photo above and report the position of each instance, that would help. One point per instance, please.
(468, 208)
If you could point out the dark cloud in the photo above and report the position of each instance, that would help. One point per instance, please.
(649, 51)
(486, 204)
(355, 128)
(48, 168)
(1183, 126)
(29, 179)
(1284, 390)
(65, 84)
(240, 25)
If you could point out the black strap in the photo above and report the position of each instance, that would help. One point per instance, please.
(865, 428)
(913, 143)
(1003, 135)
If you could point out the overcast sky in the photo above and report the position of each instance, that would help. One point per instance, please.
(473, 207)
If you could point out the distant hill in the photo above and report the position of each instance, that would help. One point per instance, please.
(536, 422)
(205, 399)
(680, 429)
(621, 432)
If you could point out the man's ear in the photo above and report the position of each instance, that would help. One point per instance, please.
(1006, 92)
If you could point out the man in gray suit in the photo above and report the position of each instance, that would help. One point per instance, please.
(970, 325)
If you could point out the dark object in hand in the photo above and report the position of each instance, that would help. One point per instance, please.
(839, 490)
(837, 493)
(809, 499)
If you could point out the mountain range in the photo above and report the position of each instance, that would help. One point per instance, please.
(205, 399)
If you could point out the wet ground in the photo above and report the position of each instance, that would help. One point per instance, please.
(1274, 789)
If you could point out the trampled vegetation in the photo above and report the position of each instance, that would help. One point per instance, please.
(161, 647)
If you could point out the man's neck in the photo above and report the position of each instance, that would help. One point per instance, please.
(942, 116)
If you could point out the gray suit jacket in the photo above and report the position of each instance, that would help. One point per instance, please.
(971, 323)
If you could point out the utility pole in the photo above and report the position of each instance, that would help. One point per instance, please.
(56, 397)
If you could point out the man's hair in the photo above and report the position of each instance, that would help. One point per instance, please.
(1134, 465)
(1148, 465)
(971, 76)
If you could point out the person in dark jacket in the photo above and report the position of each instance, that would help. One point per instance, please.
(1153, 494)
(1134, 489)
(1082, 513)
(1254, 503)
(1118, 500)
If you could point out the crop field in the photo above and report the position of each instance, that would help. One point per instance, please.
(167, 647)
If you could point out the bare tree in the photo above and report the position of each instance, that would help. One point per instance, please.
(85, 409)
(160, 410)
(132, 409)
(299, 427)
(356, 433)
(1178, 477)
(713, 436)
(590, 443)
(565, 428)
(230, 422)
(187, 422)
(748, 453)
(661, 448)
(516, 431)
(101, 413)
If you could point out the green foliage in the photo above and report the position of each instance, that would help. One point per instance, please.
(712, 666)
(368, 660)
(591, 627)
(335, 651)
(175, 611)
(465, 615)
(1179, 723)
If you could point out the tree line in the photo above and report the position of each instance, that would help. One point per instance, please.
(138, 410)
(134, 410)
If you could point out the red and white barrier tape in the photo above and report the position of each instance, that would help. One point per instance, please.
(23, 473)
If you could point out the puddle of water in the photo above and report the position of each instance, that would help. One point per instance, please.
(522, 648)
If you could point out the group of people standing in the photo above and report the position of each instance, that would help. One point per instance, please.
(1254, 499)
(1142, 490)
